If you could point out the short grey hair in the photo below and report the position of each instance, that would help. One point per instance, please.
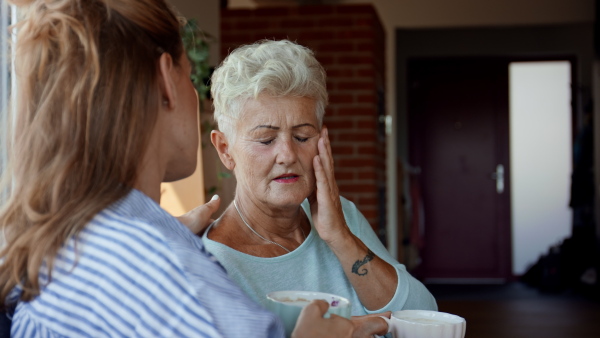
(277, 68)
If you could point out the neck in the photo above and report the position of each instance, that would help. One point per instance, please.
(269, 222)
(151, 172)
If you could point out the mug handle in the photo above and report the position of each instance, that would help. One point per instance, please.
(387, 320)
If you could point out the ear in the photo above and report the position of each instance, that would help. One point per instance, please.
(219, 140)
(166, 81)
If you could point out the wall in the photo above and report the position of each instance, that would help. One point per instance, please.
(349, 43)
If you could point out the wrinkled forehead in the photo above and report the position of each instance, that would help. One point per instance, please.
(280, 111)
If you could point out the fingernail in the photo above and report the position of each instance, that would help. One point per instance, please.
(214, 198)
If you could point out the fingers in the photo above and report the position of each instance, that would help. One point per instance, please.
(328, 144)
(325, 154)
(213, 204)
(316, 308)
(200, 217)
(311, 323)
(386, 314)
(369, 325)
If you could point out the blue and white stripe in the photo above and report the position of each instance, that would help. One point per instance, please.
(135, 271)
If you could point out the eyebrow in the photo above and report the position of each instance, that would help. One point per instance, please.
(268, 126)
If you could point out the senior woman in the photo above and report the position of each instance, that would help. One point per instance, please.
(288, 228)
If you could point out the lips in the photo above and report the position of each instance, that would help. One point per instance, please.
(286, 178)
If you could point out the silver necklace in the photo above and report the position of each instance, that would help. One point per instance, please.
(257, 234)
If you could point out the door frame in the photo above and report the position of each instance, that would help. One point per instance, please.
(502, 151)
(573, 42)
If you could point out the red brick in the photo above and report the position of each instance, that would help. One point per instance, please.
(367, 176)
(350, 197)
(252, 25)
(365, 47)
(366, 98)
(367, 150)
(356, 111)
(368, 200)
(364, 22)
(272, 11)
(315, 9)
(356, 85)
(341, 98)
(340, 73)
(344, 175)
(366, 73)
(369, 214)
(369, 124)
(358, 136)
(359, 188)
(336, 47)
(356, 60)
(300, 23)
(336, 22)
(316, 36)
(235, 36)
(270, 36)
(337, 125)
(356, 9)
(342, 150)
(355, 34)
(227, 26)
(235, 13)
(326, 60)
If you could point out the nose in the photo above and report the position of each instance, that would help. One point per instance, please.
(286, 152)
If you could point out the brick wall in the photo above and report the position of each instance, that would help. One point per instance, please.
(348, 40)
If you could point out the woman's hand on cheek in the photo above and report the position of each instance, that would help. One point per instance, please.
(326, 207)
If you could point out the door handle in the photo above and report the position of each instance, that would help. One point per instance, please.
(498, 176)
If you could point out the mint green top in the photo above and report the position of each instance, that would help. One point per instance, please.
(314, 267)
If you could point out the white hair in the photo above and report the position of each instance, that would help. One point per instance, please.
(276, 68)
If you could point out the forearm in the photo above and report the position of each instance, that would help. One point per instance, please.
(374, 280)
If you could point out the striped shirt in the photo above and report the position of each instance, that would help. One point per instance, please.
(136, 271)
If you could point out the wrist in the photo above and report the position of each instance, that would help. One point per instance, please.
(344, 242)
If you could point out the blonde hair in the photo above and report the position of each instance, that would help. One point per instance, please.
(277, 68)
(88, 99)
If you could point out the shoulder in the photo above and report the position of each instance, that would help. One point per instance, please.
(122, 230)
(130, 245)
(123, 270)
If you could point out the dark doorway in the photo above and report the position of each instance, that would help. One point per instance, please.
(458, 122)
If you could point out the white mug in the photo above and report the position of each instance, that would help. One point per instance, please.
(425, 324)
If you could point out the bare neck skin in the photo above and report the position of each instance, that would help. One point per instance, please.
(151, 174)
(285, 226)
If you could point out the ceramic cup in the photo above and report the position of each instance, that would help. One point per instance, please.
(288, 305)
(426, 324)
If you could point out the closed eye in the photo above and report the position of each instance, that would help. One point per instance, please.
(302, 139)
(267, 142)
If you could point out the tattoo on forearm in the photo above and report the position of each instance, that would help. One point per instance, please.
(357, 265)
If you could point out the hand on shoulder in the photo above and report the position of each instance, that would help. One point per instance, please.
(199, 218)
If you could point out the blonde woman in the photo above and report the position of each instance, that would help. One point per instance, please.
(105, 113)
